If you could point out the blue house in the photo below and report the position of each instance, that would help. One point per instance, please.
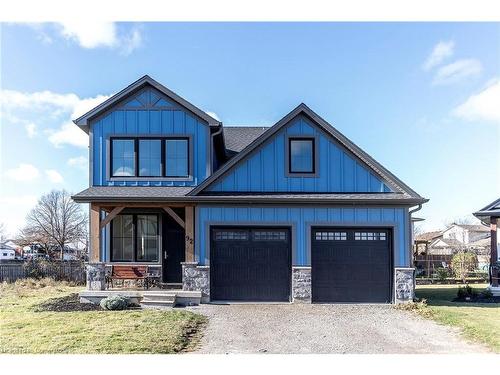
(295, 212)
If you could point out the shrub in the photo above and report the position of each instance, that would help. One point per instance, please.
(442, 274)
(115, 303)
(462, 263)
(466, 292)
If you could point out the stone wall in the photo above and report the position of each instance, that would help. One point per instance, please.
(404, 285)
(196, 278)
(301, 284)
(96, 276)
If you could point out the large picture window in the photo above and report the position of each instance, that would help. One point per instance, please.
(301, 155)
(150, 157)
(135, 238)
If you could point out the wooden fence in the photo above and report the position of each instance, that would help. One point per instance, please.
(10, 271)
(426, 265)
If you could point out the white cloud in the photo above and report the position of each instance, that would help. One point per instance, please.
(30, 129)
(54, 176)
(80, 162)
(457, 71)
(213, 114)
(483, 106)
(440, 52)
(69, 134)
(23, 173)
(18, 106)
(90, 34)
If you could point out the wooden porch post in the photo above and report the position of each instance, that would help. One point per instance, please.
(189, 231)
(494, 250)
(95, 233)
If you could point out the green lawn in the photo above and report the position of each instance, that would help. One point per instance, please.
(24, 330)
(478, 322)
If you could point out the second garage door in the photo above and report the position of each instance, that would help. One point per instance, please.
(351, 265)
(250, 264)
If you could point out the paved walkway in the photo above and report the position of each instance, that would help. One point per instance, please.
(268, 328)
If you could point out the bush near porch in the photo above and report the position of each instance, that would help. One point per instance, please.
(26, 326)
(479, 322)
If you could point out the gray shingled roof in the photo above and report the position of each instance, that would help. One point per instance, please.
(179, 194)
(128, 193)
(239, 137)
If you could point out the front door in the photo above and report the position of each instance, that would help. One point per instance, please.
(173, 249)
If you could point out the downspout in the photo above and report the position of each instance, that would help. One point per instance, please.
(410, 212)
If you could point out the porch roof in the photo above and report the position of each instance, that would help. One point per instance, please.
(131, 193)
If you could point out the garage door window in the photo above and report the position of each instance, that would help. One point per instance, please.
(331, 236)
(272, 235)
(230, 235)
(370, 236)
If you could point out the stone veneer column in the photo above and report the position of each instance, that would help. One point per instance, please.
(196, 278)
(404, 285)
(301, 284)
(96, 276)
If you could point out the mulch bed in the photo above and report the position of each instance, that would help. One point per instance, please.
(66, 303)
(479, 299)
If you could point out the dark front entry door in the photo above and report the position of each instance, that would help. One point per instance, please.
(173, 250)
(351, 265)
(250, 264)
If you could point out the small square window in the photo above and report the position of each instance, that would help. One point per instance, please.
(301, 155)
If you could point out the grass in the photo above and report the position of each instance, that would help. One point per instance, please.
(479, 322)
(25, 330)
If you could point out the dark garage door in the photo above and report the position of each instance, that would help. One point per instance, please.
(351, 265)
(250, 264)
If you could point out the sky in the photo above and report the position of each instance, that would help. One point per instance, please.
(423, 99)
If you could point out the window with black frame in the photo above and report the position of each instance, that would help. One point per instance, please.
(150, 157)
(123, 157)
(135, 238)
(301, 155)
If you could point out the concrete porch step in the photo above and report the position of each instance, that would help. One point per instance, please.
(158, 303)
(159, 296)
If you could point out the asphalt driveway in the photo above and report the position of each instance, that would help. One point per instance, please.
(283, 328)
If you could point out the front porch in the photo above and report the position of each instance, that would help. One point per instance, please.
(137, 249)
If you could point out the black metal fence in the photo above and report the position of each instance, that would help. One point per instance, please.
(74, 271)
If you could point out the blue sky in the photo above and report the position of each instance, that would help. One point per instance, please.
(423, 99)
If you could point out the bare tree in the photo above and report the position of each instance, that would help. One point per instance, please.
(2, 232)
(57, 220)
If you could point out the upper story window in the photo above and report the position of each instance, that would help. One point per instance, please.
(123, 157)
(176, 158)
(301, 155)
(150, 157)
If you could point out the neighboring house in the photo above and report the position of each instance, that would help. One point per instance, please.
(7, 251)
(294, 212)
(9, 246)
(447, 242)
(452, 239)
(490, 215)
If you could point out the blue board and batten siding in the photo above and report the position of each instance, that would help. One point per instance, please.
(301, 219)
(129, 121)
(265, 169)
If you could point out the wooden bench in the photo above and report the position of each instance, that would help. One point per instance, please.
(129, 273)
